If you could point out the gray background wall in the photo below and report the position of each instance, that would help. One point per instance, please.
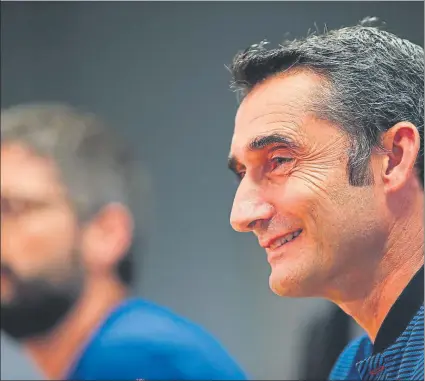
(156, 72)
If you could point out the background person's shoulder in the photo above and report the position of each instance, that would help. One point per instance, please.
(129, 344)
(146, 341)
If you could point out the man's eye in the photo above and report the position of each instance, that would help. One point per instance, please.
(12, 207)
(17, 207)
(279, 160)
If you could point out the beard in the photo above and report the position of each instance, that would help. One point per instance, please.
(39, 305)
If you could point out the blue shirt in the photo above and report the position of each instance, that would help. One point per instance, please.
(398, 351)
(140, 340)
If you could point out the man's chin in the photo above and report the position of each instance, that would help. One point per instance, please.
(23, 334)
(285, 285)
(35, 317)
(23, 324)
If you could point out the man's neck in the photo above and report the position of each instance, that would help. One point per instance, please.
(402, 259)
(55, 353)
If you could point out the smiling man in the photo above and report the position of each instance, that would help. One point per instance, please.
(328, 149)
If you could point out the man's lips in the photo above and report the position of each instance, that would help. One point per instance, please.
(277, 241)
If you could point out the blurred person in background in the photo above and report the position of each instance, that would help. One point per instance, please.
(66, 234)
(328, 149)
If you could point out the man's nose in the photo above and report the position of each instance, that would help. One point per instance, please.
(249, 209)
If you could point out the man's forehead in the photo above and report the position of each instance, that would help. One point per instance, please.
(286, 93)
(26, 174)
(280, 102)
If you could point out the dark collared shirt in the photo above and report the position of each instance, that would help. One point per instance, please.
(398, 352)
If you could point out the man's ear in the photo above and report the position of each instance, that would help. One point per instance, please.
(401, 143)
(107, 238)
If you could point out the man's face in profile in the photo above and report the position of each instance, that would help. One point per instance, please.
(294, 193)
(41, 277)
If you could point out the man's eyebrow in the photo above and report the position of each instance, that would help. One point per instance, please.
(261, 142)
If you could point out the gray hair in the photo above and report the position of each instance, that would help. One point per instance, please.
(96, 166)
(373, 79)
